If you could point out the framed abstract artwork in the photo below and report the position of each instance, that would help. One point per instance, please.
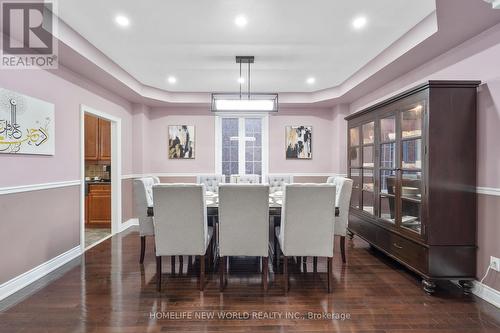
(26, 125)
(298, 142)
(181, 142)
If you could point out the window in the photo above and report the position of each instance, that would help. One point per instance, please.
(241, 143)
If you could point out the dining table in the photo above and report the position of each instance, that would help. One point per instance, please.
(212, 202)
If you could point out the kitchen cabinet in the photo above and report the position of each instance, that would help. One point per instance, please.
(97, 139)
(91, 138)
(104, 140)
(99, 206)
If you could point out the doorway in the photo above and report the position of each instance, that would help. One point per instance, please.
(100, 141)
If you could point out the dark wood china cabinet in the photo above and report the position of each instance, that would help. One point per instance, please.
(413, 162)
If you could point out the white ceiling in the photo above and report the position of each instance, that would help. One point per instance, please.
(196, 40)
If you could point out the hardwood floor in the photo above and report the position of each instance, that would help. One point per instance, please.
(107, 290)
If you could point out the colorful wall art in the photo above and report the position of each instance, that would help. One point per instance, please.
(299, 142)
(26, 125)
(181, 141)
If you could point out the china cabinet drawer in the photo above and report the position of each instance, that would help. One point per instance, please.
(362, 228)
(413, 254)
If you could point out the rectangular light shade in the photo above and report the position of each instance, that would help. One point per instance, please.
(256, 103)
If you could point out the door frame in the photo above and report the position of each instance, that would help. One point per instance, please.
(116, 170)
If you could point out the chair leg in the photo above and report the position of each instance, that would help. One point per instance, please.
(172, 263)
(226, 270)
(342, 248)
(275, 249)
(143, 249)
(222, 268)
(209, 254)
(158, 273)
(277, 254)
(297, 260)
(330, 274)
(285, 273)
(202, 272)
(265, 271)
(181, 264)
(315, 264)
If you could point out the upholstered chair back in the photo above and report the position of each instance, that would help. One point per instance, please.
(245, 179)
(343, 199)
(244, 220)
(180, 219)
(277, 182)
(211, 182)
(143, 198)
(307, 220)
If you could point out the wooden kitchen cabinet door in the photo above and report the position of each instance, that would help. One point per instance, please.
(99, 206)
(91, 138)
(104, 140)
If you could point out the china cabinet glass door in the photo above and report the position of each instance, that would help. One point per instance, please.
(387, 169)
(368, 161)
(355, 170)
(411, 126)
(400, 168)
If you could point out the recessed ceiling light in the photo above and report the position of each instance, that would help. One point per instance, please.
(240, 21)
(122, 21)
(310, 80)
(241, 80)
(172, 79)
(359, 22)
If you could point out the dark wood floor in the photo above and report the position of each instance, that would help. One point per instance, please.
(108, 291)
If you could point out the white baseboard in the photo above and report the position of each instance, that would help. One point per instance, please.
(21, 281)
(489, 294)
(130, 223)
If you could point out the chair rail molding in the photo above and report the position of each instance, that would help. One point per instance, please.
(25, 279)
(488, 190)
(38, 187)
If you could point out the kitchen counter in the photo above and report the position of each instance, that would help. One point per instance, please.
(95, 182)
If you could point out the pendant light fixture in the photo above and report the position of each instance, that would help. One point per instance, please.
(244, 101)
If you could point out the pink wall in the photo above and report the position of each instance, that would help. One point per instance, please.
(67, 97)
(472, 62)
(322, 143)
(41, 225)
(339, 142)
(156, 140)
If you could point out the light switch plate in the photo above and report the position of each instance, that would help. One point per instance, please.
(495, 263)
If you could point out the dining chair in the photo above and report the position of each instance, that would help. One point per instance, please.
(342, 201)
(307, 225)
(277, 182)
(245, 179)
(143, 198)
(243, 225)
(180, 223)
(211, 182)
